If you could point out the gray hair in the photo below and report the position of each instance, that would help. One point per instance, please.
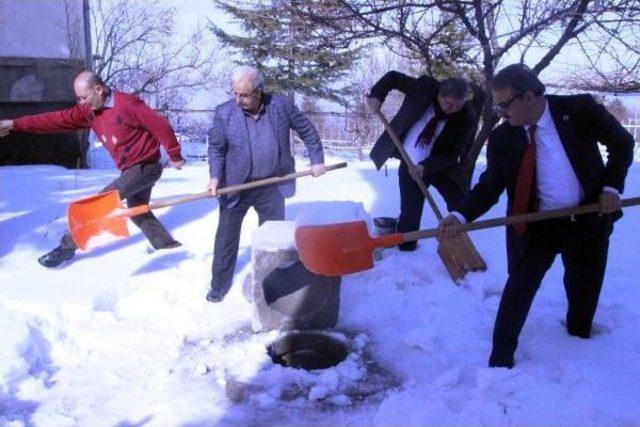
(519, 78)
(245, 71)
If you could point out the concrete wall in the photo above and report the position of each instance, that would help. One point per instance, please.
(41, 29)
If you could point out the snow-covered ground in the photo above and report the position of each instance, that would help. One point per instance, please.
(123, 335)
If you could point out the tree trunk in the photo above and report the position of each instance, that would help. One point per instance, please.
(468, 163)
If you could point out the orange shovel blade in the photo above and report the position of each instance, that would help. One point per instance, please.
(90, 216)
(338, 249)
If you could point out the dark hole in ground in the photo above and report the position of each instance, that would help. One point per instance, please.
(384, 225)
(308, 350)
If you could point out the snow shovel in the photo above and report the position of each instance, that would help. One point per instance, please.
(458, 255)
(102, 217)
(344, 248)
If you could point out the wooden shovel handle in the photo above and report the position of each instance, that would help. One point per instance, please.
(411, 166)
(139, 210)
(529, 217)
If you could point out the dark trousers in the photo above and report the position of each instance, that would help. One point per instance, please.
(268, 203)
(412, 199)
(583, 245)
(134, 184)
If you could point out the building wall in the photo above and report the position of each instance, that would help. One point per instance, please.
(41, 29)
(42, 51)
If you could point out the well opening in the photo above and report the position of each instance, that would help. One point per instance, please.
(308, 350)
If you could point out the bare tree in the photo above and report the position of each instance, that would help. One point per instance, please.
(612, 51)
(618, 109)
(73, 28)
(135, 51)
(474, 37)
(363, 125)
(613, 57)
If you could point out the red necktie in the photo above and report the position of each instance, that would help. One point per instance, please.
(525, 186)
(426, 136)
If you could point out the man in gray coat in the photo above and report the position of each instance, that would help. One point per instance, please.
(249, 141)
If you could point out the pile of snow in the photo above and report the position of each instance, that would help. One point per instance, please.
(123, 335)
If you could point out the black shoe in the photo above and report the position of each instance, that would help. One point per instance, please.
(408, 246)
(56, 257)
(579, 333)
(501, 362)
(577, 330)
(215, 295)
(171, 245)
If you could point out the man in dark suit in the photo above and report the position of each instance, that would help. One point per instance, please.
(249, 141)
(434, 123)
(546, 155)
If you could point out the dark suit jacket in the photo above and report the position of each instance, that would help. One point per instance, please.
(229, 153)
(419, 94)
(581, 124)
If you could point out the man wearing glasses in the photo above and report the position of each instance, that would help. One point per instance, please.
(546, 156)
(132, 134)
(435, 124)
(249, 140)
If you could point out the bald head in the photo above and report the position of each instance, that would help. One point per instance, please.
(88, 78)
(90, 90)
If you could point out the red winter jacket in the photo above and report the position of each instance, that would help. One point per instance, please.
(131, 131)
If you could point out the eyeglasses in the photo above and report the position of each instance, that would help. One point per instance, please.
(246, 95)
(502, 107)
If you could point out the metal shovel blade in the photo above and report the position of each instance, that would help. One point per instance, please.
(338, 249)
(99, 218)
(90, 217)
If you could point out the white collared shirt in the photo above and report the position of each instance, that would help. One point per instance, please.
(418, 154)
(558, 184)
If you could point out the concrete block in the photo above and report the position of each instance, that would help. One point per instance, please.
(285, 294)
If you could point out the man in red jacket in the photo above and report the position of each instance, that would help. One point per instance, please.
(131, 132)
